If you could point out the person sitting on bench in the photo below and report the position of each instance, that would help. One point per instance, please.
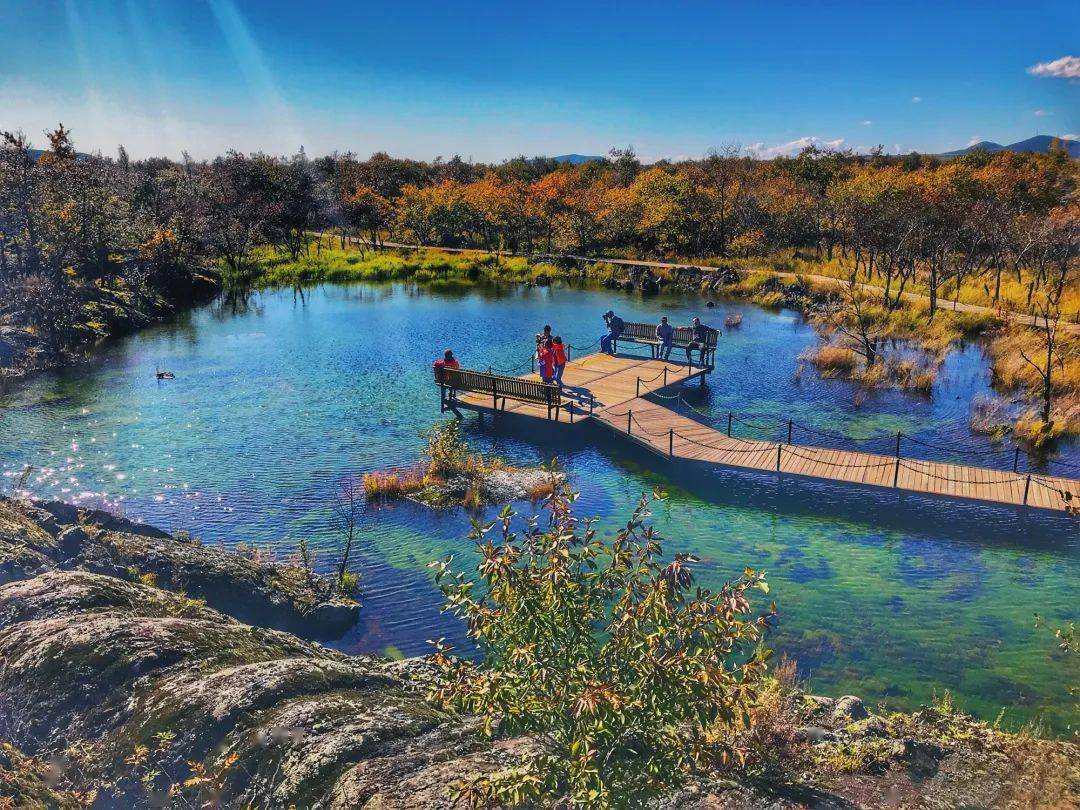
(699, 340)
(615, 327)
(665, 333)
(448, 361)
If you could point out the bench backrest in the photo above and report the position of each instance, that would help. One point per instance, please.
(480, 382)
(682, 335)
(634, 331)
(685, 334)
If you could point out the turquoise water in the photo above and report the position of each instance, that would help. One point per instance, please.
(889, 596)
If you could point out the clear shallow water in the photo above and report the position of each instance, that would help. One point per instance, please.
(884, 595)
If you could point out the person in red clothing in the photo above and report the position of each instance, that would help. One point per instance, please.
(559, 352)
(546, 356)
(448, 361)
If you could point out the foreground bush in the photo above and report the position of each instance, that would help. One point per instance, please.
(615, 664)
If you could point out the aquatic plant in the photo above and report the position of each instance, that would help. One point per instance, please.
(615, 662)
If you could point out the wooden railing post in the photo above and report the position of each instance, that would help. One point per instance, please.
(896, 473)
(665, 376)
(1016, 459)
(790, 425)
(779, 449)
(898, 435)
(1027, 486)
(729, 424)
(532, 363)
(629, 416)
(591, 403)
(638, 393)
(671, 443)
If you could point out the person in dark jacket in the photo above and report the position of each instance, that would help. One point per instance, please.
(699, 340)
(614, 328)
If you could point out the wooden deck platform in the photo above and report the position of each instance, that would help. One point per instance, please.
(613, 390)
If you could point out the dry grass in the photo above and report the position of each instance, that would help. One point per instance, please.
(1043, 775)
(540, 490)
(473, 499)
(833, 361)
(1012, 372)
(913, 376)
(393, 485)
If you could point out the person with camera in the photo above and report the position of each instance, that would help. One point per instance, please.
(614, 328)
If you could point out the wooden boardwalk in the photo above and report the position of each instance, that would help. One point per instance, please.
(613, 391)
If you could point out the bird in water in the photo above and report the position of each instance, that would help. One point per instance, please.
(161, 374)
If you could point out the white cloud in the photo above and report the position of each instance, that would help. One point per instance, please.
(1067, 67)
(1041, 113)
(867, 122)
(1072, 136)
(975, 139)
(916, 99)
(794, 147)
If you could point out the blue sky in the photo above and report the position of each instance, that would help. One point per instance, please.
(493, 80)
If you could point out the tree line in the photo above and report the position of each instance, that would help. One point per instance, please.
(83, 237)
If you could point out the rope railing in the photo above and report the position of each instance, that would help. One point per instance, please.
(951, 449)
(767, 447)
(789, 451)
(904, 463)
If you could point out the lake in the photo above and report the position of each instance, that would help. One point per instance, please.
(889, 596)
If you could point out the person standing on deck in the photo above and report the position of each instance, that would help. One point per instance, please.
(546, 357)
(558, 351)
(615, 327)
(665, 333)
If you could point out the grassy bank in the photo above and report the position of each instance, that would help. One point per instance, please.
(328, 262)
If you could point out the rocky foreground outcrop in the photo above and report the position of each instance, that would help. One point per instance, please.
(41, 536)
(113, 680)
(138, 697)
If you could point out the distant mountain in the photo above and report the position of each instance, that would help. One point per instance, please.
(577, 160)
(1040, 143)
(986, 146)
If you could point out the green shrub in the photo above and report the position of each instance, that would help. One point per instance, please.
(619, 667)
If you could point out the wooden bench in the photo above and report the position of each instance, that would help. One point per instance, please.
(684, 335)
(498, 386)
(638, 333)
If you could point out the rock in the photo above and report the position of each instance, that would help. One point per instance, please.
(73, 540)
(54, 536)
(872, 726)
(848, 709)
(95, 661)
(813, 734)
(921, 758)
(817, 707)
